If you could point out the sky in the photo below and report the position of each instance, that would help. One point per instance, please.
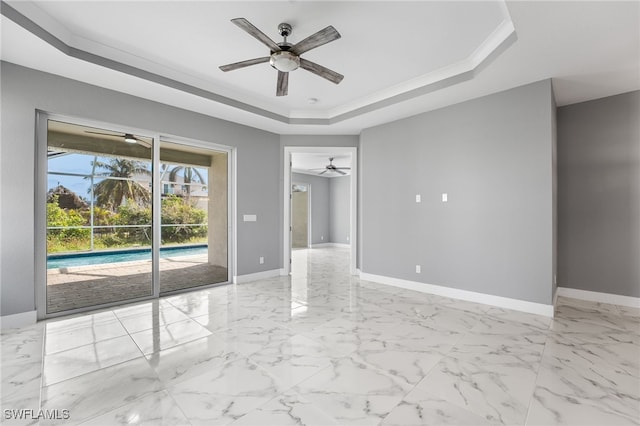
(81, 164)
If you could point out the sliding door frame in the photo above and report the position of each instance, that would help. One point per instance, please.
(231, 203)
(40, 210)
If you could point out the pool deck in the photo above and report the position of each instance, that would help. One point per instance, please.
(81, 286)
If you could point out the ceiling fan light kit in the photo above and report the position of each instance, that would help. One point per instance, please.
(284, 61)
(129, 138)
(285, 57)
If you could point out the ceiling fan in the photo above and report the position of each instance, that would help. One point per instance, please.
(285, 57)
(127, 137)
(331, 168)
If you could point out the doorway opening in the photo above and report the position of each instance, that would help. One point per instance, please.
(333, 203)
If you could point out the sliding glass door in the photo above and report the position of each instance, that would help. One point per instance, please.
(98, 207)
(100, 228)
(193, 250)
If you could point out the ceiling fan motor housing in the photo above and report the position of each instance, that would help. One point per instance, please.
(285, 29)
(284, 60)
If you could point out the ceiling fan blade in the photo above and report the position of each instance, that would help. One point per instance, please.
(118, 135)
(321, 71)
(339, 171)
(122, 135)
(282, 88)
(342, 168)
(323, 36)
(256, 33)
(242, 64)
(324, 172)
(143, 142)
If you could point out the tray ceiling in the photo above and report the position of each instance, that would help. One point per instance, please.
(398, 58)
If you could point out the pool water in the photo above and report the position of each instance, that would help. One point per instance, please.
(56, 261)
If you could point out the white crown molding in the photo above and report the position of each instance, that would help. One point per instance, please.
(498, 37)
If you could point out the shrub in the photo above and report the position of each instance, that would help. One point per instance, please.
(57, 216)
(68, 238)
(176, 211)
(133, 214)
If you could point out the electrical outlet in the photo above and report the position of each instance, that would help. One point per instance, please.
(418, 198)
(322, 238)
(347, 238)
(261, 260)
(418, 269)
(445, 197)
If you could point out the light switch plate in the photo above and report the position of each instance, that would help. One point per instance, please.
(418, 198)
(418, 269)
(445, 197)
(250, 218)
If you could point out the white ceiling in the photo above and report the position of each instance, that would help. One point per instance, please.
(398, 58)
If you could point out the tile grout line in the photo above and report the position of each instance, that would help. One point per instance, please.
(535, 385)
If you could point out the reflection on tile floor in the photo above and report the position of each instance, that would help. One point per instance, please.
(324, 348)
(81, 286)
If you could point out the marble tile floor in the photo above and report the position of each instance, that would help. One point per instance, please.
(324, 348)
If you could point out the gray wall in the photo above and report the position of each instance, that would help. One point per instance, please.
(320, 224)
(493, 156)
(25, 90)
(339, 202)
(599, 195)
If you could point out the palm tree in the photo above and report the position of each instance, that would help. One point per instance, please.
(113, 192)
(190, 175)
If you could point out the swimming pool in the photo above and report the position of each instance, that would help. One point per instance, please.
(55, 261)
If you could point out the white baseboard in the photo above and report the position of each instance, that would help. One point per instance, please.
(594, 296)
(321, 245)
(471, 296)
(18, 320)
(239, 279)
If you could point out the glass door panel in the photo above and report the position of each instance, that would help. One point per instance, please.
(194, 232)
(99, 217)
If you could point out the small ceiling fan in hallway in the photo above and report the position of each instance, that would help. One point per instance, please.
(285, 57)
(331, 168)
